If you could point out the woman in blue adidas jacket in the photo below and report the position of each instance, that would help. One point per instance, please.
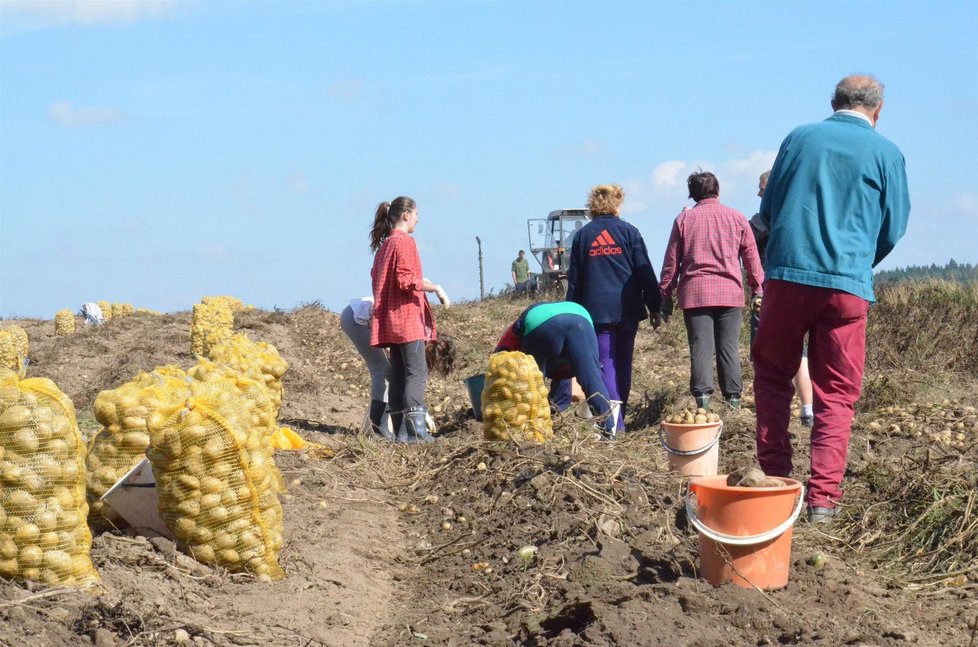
(611, 276)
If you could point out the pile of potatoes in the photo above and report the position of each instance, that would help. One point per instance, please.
(216, 481)
(514, 402)
(13, 348)
(686, 417)
(124, 414)
(64, 322)
(44, 533)
(258, 361)
(211, 322)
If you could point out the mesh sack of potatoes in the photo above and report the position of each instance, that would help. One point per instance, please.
(122, 310)
(216, 484)
(514, 401)
(231, 302)
(256, 410)
(64, 322)
(120, 444)
(13, 348)
(106, 309)
(208, 318)
(44, 532)
(259, 361)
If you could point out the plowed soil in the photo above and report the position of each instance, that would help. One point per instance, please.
(405, 545)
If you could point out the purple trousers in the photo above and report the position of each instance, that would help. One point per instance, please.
(616, 343)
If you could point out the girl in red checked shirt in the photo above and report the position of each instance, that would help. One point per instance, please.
(402, 320)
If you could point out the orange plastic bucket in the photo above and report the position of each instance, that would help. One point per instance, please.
(745, 532)
(694, 450)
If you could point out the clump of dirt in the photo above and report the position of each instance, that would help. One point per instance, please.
(469, 542)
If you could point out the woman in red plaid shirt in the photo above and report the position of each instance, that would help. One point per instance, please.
(703, 257)
(402, 319)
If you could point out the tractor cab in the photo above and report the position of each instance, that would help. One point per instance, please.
(550, 243)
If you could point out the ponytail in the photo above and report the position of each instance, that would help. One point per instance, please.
(386, 218)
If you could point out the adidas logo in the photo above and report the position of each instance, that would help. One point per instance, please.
(604, 245)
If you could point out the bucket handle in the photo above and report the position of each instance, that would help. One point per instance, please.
(692, 452)
(748, 540)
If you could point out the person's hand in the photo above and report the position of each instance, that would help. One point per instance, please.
(442, 297)
(656, 320)
(666, 309)
(755, 303)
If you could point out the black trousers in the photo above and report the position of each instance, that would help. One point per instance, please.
(712, 330)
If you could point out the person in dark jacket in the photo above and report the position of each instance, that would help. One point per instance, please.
(611, 276)
(560, 337)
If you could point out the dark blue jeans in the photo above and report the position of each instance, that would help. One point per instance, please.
(569, 339)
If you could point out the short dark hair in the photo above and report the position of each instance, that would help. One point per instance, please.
(522, 251)
(703, 185)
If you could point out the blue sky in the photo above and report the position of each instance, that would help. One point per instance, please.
(157, 152)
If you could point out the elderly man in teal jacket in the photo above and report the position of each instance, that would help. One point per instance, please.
(836, 204)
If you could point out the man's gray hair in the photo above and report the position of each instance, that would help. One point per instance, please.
(857, 90)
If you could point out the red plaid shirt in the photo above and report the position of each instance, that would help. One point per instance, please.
(401, 310)
(703, 257)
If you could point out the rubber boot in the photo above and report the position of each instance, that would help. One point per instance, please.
(376, 416)
(703, 402)
(416, 426)
(734, 402)
(397, 424)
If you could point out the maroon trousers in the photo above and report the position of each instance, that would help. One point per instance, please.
(836, 323)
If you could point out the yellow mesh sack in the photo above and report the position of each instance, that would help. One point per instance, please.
(122, 310)
(514, 401)
(231, 302)
(210, 321)
(106, 309)
(216, 487)
(64, 322)
(256, 410)
(124, 414)
(44, 534)
(13, 348)
(259, 361)
(145, 311)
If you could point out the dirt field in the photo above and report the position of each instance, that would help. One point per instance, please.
(396, 545)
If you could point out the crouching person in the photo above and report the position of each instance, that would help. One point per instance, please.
(560, 337)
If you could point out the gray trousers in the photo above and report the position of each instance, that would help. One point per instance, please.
(708, 330)
(409, 376)
(375, 358)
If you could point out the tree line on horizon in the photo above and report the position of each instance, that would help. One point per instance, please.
(952, 272)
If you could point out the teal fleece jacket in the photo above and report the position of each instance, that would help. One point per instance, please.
(836, 204)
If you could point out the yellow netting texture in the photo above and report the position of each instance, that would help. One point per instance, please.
(125, 414)
(106, 309)
(216, 482)
(13, 348)
(211, 323)
(258, 361)
(231, 302)
(64, 322)
(121, 310)
(256, 410)
(44, 534)
(514, 401)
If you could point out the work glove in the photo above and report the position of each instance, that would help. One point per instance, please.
(665, 310)
(755, 303)
(442, 297)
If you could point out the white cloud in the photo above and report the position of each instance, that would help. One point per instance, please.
(214, 252)
(588, 148)
(66, 114)
(965, 205)
(667, 174)
(347, 91)
(664, 188)
(85, 12)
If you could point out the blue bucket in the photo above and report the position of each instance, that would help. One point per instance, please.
(475, 384)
